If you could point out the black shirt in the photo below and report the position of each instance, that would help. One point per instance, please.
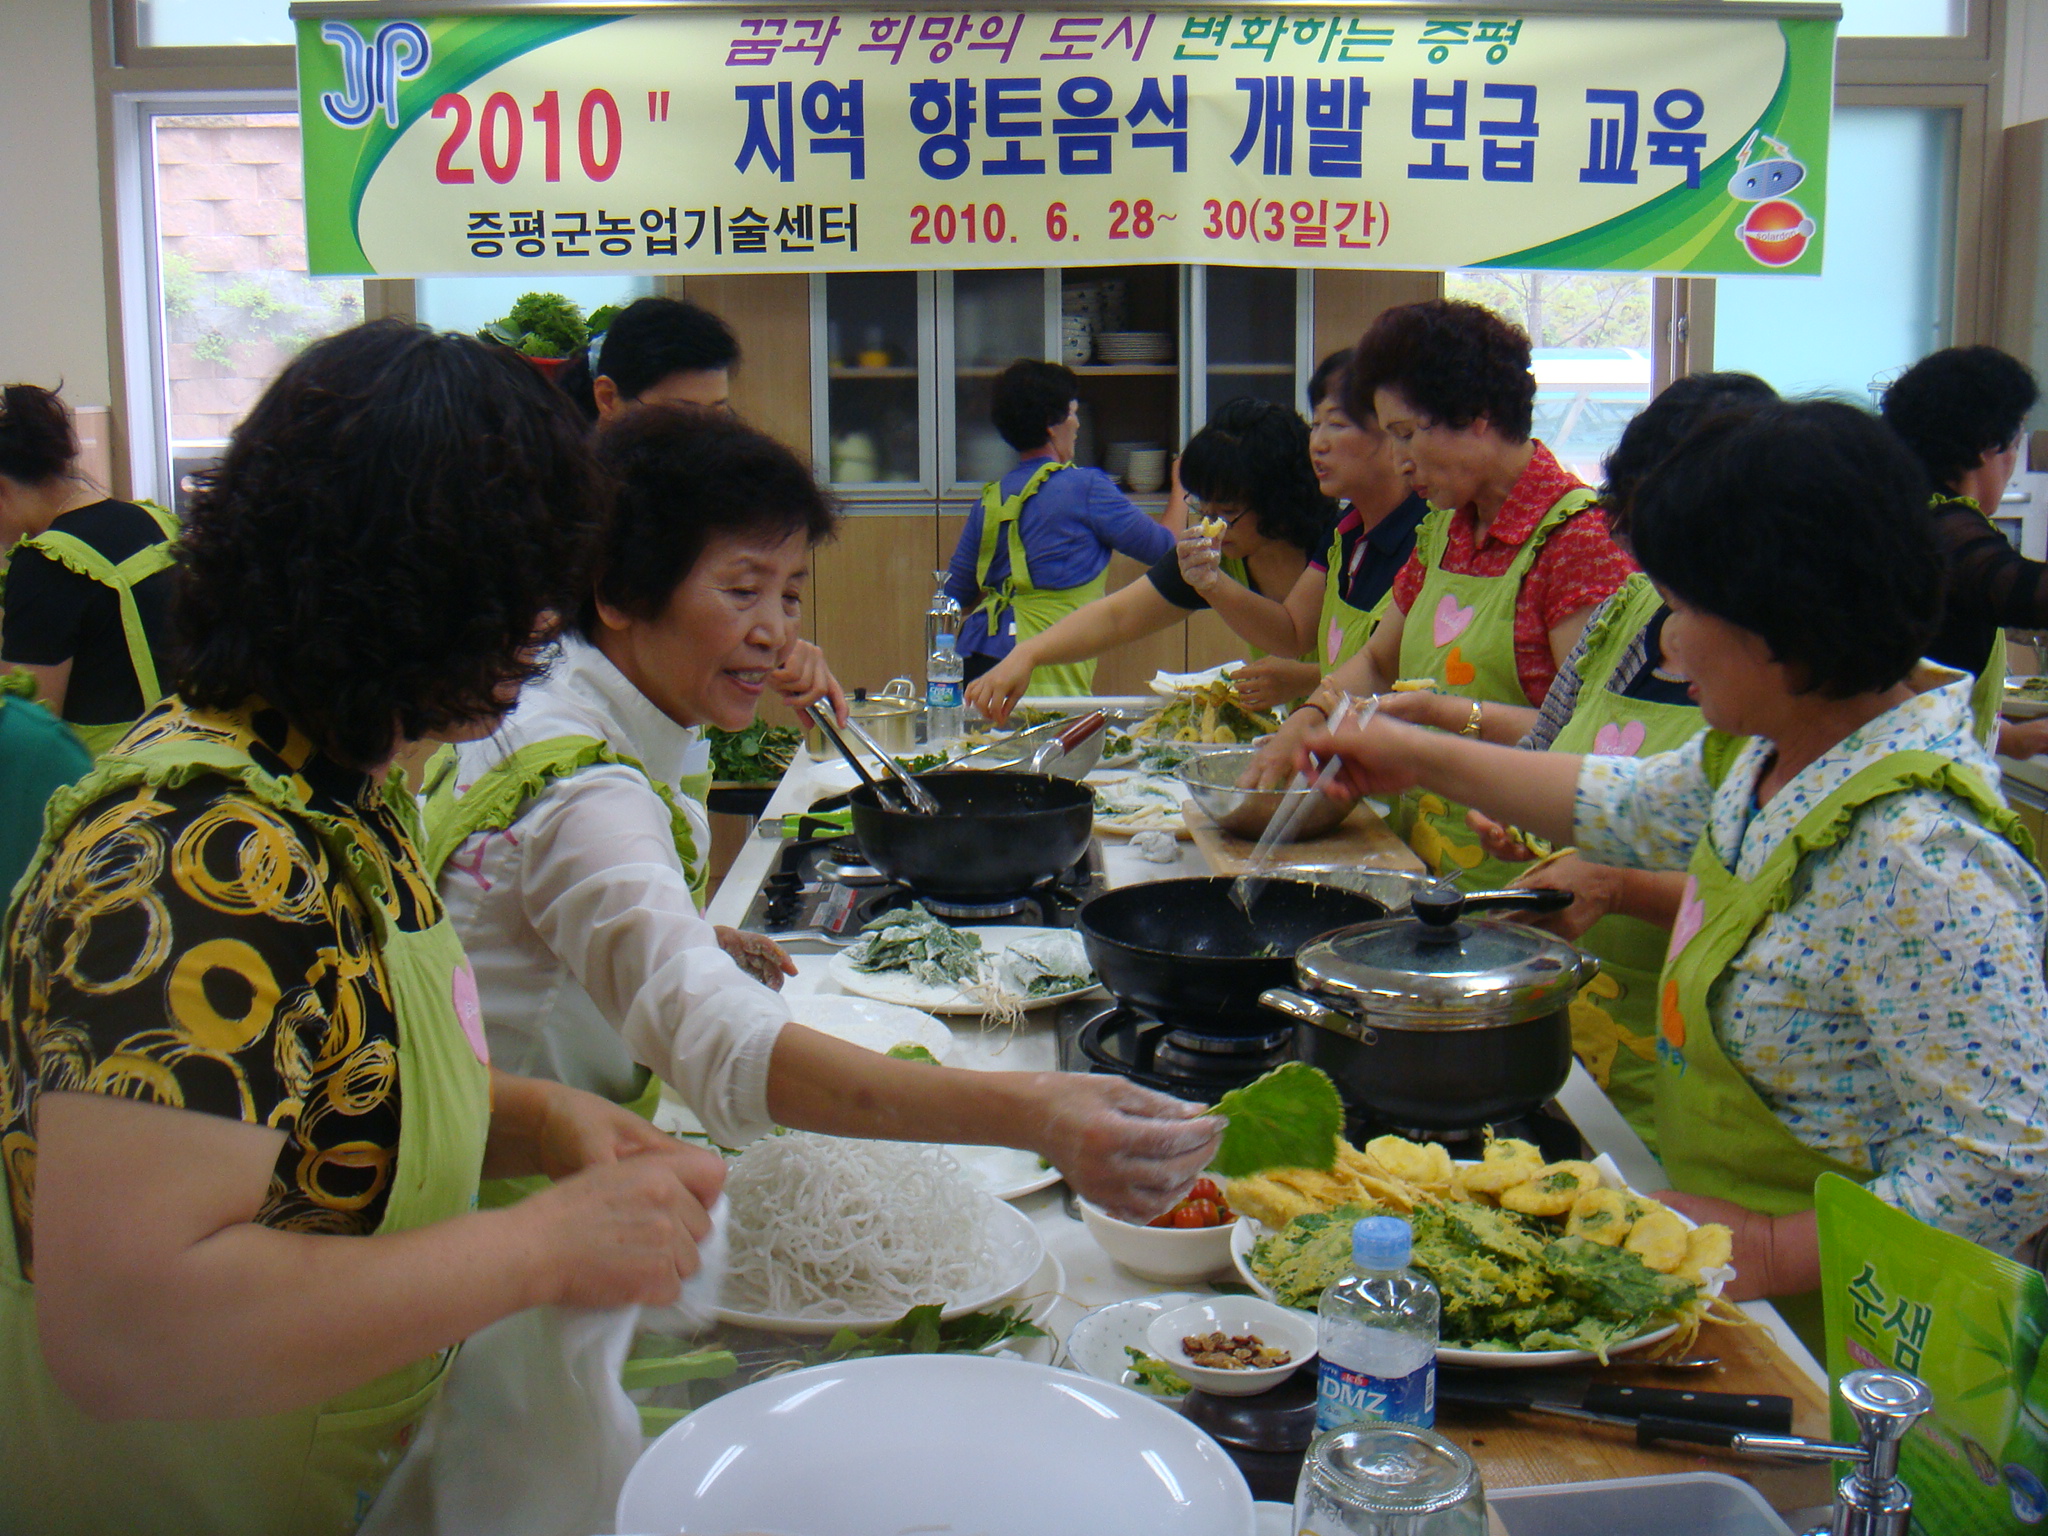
(1373, 557)
(53, 614)
(1991, 586)
(1171, 585)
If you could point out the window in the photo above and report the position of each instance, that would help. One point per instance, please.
(229, 301)
(1904, 18)
(1884, 299)
(468, 304)
(1590, 335)
(213, 23)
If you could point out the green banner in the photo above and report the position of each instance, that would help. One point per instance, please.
(765, 139)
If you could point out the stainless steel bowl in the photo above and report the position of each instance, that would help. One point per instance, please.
(1212, 780)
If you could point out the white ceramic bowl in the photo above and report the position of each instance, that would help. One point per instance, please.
(1160, 1253)
(936, 1443)
(1275, 1326)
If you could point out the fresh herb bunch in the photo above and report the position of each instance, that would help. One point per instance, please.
(921, 1331)
(1155, 1376)
(540, 325)
(758, 755)
(913, 940)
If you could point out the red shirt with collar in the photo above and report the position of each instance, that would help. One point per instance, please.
(1578, 567)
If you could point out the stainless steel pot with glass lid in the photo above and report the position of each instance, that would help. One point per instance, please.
(1437, 1022)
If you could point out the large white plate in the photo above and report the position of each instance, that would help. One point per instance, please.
(901, 987)
(871, 1025)
(1019, 1247)
(1008, 1173)
(1041, 1293)
(1246, 1232)
(1096, 1344)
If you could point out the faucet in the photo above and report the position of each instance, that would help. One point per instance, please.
(1870, 1501)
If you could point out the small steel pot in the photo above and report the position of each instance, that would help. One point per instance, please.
(1436, 1023)
(891, 716)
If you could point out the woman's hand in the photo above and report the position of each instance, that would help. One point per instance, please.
(1425, 706)
(996, 692)
(2023, 738)
(803, 678)
(758, 955)
(1498, 841)
(1124, 1148)
(1273, 760)
(1376, 759)
(543, 1127)
(1201, 561)
(1596, 889)
(1272, 680)
(626, 1233)
(1772, 1255)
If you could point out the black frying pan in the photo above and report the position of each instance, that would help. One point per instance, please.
(1183, 951)
(996, 834)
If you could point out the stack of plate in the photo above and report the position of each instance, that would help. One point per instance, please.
(1146, 472)
(1134, 347)
(1117, 461)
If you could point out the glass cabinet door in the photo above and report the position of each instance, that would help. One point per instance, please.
(989, 320)
(872, 344)
(1254, 336)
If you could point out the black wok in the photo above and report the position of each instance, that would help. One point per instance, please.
(1183, 951)
(996, 835)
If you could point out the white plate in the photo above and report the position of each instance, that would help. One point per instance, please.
(901, 987)
(1041, 1293)
(1019, 1247)
(1096, 1344)
(1245, 1232)
(1177, 685)
(1008, 1173)
(936, 1443)
(871, 1025)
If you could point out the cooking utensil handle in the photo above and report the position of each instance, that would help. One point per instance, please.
(1081, 730)
(1650, 1429)
(1757, 1411)
(920, 798)
(821, 716)
(1304, 1009)
(1538, 898)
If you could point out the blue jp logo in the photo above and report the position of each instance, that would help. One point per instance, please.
(371, 69)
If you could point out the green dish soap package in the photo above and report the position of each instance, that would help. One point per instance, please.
(1966, 1321)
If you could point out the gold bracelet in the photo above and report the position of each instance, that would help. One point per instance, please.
(1471, 726)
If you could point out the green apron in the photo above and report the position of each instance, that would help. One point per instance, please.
(1460, 634)
(492, 804)
(1989, 693)
(315, 1471)
(1342, 630)
(75, 555)
(1036, 610)
(1716, 1136)
(1614, 1017)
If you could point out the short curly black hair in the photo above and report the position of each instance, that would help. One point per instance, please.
(1663, 424)
(375, 551)
(1804, 522)
(1030, 399)
(1956, 405)
(680, 479)
(1254, 453)
(1453, 361)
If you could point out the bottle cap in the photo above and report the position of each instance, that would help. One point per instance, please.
(1382, 1242)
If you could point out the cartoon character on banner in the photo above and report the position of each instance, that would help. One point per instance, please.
(1776, 230)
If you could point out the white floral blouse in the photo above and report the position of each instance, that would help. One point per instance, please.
(1894, 1016)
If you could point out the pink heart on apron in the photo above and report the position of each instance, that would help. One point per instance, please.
(1692, 916)
(1452, 619)
(469, 1010)
(1336, 641)
(1624, 740)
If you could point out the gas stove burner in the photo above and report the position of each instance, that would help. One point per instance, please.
(980, 912)
(1177, 1061)
(844, 864)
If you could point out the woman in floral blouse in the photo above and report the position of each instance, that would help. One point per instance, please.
(1855, 977)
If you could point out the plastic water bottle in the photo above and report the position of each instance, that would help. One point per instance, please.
(1376, 1334)
(943, 615)
(943, 696)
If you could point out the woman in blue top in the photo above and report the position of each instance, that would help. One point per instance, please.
(1037, 546)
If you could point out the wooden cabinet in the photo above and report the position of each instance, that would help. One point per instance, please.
(872, 585)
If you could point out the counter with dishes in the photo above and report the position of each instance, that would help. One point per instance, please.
(1088, 1286)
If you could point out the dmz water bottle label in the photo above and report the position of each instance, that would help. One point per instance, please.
(1345, 1396)
(938, 695)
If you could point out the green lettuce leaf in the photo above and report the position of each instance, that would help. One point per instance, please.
(1290, 1118)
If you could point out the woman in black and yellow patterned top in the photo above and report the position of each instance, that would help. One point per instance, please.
(244, 1092)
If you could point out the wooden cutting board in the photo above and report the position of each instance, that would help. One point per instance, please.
(1360, 840)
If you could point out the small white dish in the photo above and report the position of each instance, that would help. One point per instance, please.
(1096, 1344)
(872, 1025)
(1275, 1326)
(1008, 1173)
(1175, 1254)
(1274, 1519)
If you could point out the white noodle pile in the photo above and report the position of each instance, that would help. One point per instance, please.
(825, 1227)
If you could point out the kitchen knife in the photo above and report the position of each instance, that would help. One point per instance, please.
(1651, 1429)
(1746, 1411)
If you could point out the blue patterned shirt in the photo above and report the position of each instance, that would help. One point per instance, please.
(1894, 1015)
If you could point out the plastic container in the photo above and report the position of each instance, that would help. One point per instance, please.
(1676, 1504)
(1376, 1334)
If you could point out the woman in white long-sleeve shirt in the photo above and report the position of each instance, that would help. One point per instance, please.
(564, 849)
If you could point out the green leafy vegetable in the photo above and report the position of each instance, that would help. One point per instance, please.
(913, 940)
(540, 325)
(1155, 1375)
(921, 1331)
(759, 754)
(1290, 1118)
(910, 1050)
(924, 762)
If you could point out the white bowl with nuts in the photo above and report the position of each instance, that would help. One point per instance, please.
(1233, 1346)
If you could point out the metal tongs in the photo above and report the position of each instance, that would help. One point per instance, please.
(1258, 868)
(921, 799)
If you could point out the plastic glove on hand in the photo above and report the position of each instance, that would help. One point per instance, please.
(1124, 1148)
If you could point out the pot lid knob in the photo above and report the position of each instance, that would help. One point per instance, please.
(1438, 905)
